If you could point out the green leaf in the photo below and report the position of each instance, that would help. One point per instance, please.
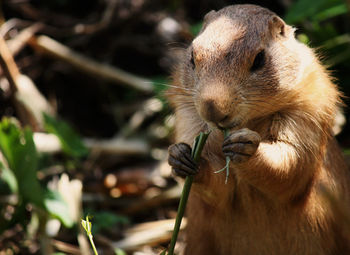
(331, 12)
(106, 220)
(336, 41)
(86, 225)
(19, 150)
(196, 28)
(57, 207)
(70, 140)
(302, 9)
(118, 251)
(303, 38)
(8, 176)
(160, 83)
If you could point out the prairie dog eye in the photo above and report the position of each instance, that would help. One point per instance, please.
(259, 61)
(193, 65)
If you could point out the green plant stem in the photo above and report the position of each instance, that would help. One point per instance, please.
(196, 153)
(93, 244)
(227, 166)
(86, 224)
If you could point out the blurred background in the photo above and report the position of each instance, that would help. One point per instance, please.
(85, 126)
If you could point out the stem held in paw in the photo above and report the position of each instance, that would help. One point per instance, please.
(196, 153)
(227, 166)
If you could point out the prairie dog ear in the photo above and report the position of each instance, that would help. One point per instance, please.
(277, 26)
(208, 16)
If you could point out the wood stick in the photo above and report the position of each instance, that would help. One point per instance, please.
(29, 103)
(172, 194)
(8, 65)
(53, 48)
(150, 233)
(118, 146)
(65, 247)
(103, 23)
(49, 143)
(17, 43)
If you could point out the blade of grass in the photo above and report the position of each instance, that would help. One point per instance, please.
(227, 166)
(196, 153)
(87, 226)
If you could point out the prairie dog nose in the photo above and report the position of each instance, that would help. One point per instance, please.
(213, 112)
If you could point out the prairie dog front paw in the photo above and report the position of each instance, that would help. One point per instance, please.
(241, 144)
(181, 161)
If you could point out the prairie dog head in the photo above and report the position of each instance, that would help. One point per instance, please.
(241, 64)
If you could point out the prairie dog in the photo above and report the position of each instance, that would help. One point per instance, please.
(246, 72)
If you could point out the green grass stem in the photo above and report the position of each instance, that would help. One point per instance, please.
(87, 226)
(196, 153)
(227, 166)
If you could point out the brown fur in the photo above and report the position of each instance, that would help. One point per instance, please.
(271, 203)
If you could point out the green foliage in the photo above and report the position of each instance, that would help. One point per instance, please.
(346, 152)
(119, 252)
(160, 84)
(57, 207)
(8, 177)
(317, 21)
(196, 28)
(104, 220)
(333, 11)
(71, 142)
(19, 150)
(86, 224)
(314, 10)
(88, 227)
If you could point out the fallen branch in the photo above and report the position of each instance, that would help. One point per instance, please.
(13, 23)
(17, 43)
(168, 196)
(150, 233)
(146, 110)
(103, 23)
(29, 103)
(49, 143)
(8, 65)
(53, 48)
(118, 146)
(65, 247)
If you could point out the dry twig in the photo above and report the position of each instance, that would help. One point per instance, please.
(30, 104)
(119, 146)
(150, 233)
(53, 48)
(17, 43)
(103, 23)
(168, 196)
(49, 143)
(65, 247)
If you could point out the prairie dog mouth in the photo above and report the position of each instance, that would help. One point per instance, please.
(230, 125)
